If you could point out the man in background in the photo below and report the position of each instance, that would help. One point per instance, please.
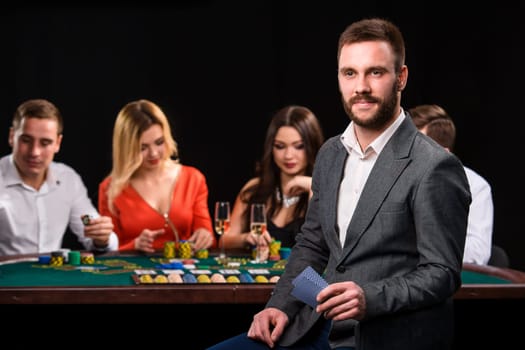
(434, 121)
(40, 198)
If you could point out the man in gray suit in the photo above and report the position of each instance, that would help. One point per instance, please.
(386, 225)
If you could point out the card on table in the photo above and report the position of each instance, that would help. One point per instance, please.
(307, 285)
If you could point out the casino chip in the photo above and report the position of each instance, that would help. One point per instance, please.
(185, 251)
(203, 279)
(202, 254)
(57, 258)
(261, 279)
(86, 219)
(189, 278)
(87, 258)
(169, 250)
(232, 279)
(217, 278)
(174, 278)
(160, 279)
(274, 279)
(246, 278)
(145, 278)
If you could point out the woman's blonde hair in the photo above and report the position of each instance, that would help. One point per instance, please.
(132, 120)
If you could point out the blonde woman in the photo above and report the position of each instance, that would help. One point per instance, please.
(151, 197)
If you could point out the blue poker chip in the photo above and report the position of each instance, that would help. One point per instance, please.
(245, 277)
(170, 266)
(44, 259)
(189, 278)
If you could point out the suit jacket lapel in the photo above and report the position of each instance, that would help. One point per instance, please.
(391, 162)
(336, 172)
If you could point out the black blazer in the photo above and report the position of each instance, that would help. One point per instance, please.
(404, 245)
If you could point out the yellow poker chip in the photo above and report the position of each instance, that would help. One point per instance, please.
(261, 279)
(145, 279)
(233, 279)
(161, 279)
(203, 279)
(202, 254)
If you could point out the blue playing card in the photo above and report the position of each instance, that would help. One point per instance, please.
(307, 285)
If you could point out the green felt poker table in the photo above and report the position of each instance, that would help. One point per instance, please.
(114, 278)
(109, 290)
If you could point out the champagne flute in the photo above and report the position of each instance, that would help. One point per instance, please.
(258, 226)
(222, 223)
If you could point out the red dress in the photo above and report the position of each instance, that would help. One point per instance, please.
(188, 210)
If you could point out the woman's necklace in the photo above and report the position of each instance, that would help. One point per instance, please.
(287, 201)
(170, 224)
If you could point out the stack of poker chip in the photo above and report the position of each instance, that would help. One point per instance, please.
(57, 259)
(87, 258)
(44, 259)
(169, 250)
(285, 252)
(65, 254)
(202, 254)
(275, 246)
(74, 257)
(185, 250)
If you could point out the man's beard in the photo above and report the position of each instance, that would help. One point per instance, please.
(383, 115)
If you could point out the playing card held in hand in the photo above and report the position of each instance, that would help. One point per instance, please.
(307, 285)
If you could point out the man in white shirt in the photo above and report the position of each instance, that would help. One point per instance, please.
(40, 198)
(434, 121)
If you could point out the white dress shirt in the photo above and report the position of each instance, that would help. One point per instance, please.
(480, 220)
(34, 221)
(358, 164)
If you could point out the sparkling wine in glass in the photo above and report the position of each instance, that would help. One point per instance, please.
(222, 223)
(258, 226)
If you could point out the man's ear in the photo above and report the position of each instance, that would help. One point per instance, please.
(402, 78)
(11, 139)
(59, 142)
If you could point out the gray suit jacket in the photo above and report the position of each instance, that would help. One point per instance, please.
(404, 245)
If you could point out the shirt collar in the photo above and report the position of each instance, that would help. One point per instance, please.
(349, 139)
(12, 177)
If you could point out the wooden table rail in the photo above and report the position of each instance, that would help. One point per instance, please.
(228, 293)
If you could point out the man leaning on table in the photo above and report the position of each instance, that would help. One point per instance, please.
(40, 198)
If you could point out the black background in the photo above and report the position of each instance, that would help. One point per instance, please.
(219, 70)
